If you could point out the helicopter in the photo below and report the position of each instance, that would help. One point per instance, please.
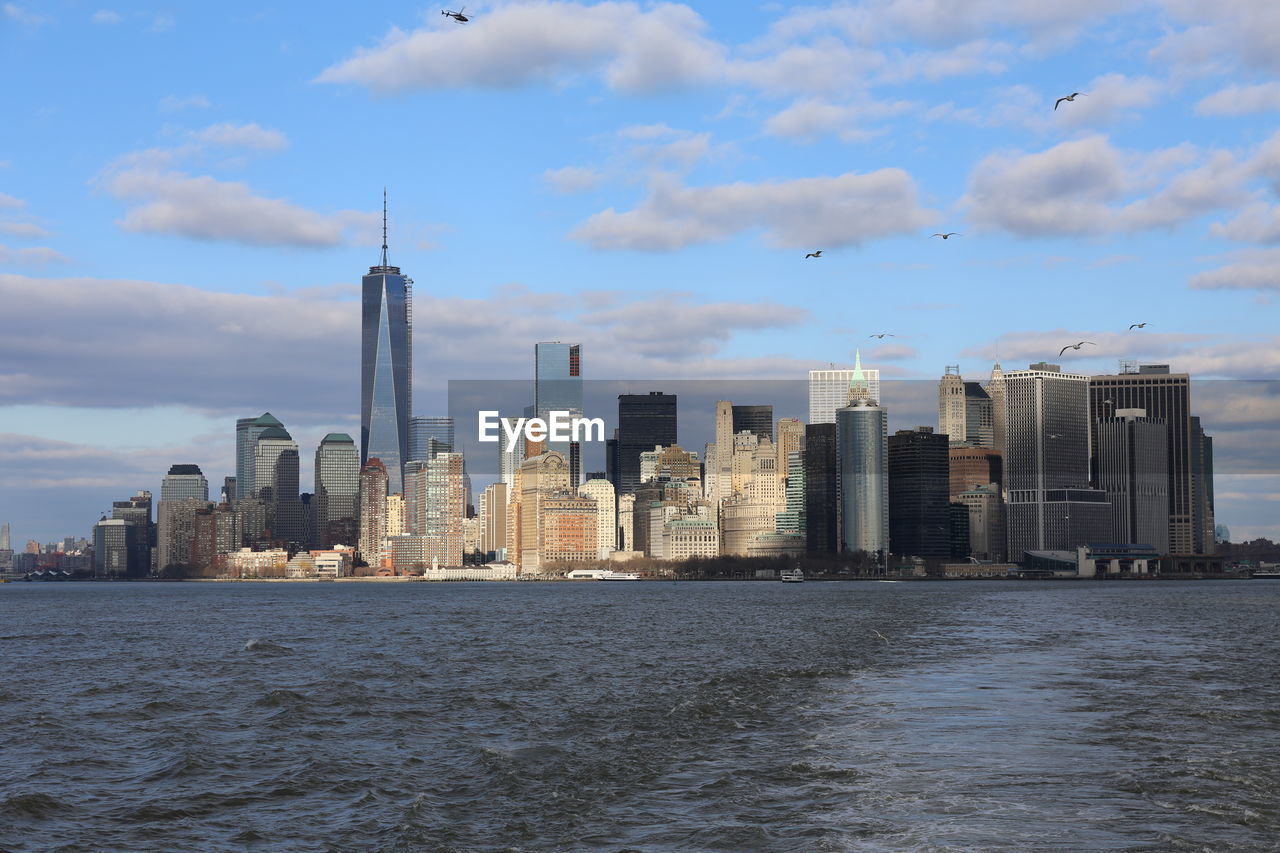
(457, 16)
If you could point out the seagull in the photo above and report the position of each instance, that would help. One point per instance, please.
(1070, 97)
(884, 335)
(1075, 346)
(816, 254)
(878, 634)
(1138, 326)
(948, 234)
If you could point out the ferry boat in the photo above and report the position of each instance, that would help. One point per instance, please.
(1266, 574)
(792, 576)
(601, 575)
(620, 576)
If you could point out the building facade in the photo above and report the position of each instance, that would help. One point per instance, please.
(386, 367)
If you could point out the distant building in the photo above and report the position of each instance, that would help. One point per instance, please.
(645, 421)
(429, 436)
(987, 532)
(542, 478)
(373, 511)
(1132, 464)
(754, 419)
(276, 483)
(493, 514)
(115, 549)
(829, 389)
(386, 367)
(176, 533)
(688, 537)
(861, 453)
(919, 504)
(184, 481)
(601, 491)
(337, 490)
(1202, 513)
(821, 489)
(971, 466)
(247, 432)
(965, 412)
(568, 529)
(557, 387)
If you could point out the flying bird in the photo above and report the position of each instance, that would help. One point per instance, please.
(878, 634)
(1138, 326)
(884, 335)
(816, 254)
(1075, 346)
(1070, 97)
(948, 235)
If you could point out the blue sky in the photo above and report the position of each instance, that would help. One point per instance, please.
(189, 194)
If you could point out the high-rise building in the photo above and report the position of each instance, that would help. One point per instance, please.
(754, 419)
(437, 495)
(861, 451)
(373, 511)
(974, 466)
(176, 532)
(542, 477)
(821, 491)
(557, 387)
(115, 549)
(337, 490)
(1132, 466)
(1164, 396)
(790, 438)
(919, 493)
(965, 413)
(184, 481)
(386, 365)
(493, 515)
(247, 432)
(1046, 463)
(228, 495)
(999, 410)
(987, 535)
(429, 436)
(276, 475)
(645, 421)
(4, 537)
(829, 389)
(1203, 540)
(601, 491)
(138, 510)
(791, 521)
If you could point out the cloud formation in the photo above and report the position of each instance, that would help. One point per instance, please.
(844, 210)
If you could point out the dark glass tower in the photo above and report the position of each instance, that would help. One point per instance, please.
(754, 419)
(821, 490)
(645, 421)
(386, 365)
(919, 493)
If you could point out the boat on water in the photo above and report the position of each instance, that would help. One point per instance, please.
(601, 575)
(792, 576)
(1267, 575)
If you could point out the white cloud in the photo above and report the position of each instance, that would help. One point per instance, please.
(1236, 100)
(1257, 269)
(809, 119)
(230, 135)
(207, 209)
(10, 202)
(1087, 186)
(22, 15)
(163, 22)
(572, 179)
(845, 210)
(23, 229)
(633, 49)
(1106, 100)
(1220, 34)
(106, 16)
(174, 103)
(31, 257)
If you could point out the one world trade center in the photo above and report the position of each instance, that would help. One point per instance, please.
(386, 365)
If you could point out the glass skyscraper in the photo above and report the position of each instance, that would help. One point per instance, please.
(386, 366)
(337, 490)
(247, 432)
(425, 430)
(557, 387)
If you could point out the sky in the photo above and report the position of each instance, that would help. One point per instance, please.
(189, 194)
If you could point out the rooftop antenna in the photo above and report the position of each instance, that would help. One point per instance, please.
(384, 226)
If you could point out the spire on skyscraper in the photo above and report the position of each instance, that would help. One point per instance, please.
(384, 227)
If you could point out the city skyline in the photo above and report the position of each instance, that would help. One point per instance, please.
(204, 274)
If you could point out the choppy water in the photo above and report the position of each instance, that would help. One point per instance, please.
(649, 716)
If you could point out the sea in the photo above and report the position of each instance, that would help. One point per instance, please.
(647, 716)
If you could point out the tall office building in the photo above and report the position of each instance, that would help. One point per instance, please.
(137, 509)
(276, 483)
(115, 549)
(974, 466)
(247, 432)
(493, 517)
(829, 389)
(601, 491)
(1203, 540)
(4, 537)
(176, 532)
(987, 535)
(754, 419)
(557, 387)
(861, 452)
(373, 511)
(1132, 465)
(429, 436)
(1163, 396)
(645, 421)
(1046, 463)
(386, 365)
(999, 408)
(821, 492)
(965, 413)
(337, 490)
(919, 493)
(184, 481)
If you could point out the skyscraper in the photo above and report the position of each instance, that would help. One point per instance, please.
(184, 481)
(557, 387)
(430, 435)
(919, 493)
(373, 510)
(999, 410)
(337, 490)
(386, 365)
(1046, 463)
(755, 419)
(645, 421)
(965, 413)
(275, 482)
(247, 432)
(821, 492)
(1203, 523)
(1165, 396)
(829, 389)
(861, 438)
(4, 537)
(1132, 464)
